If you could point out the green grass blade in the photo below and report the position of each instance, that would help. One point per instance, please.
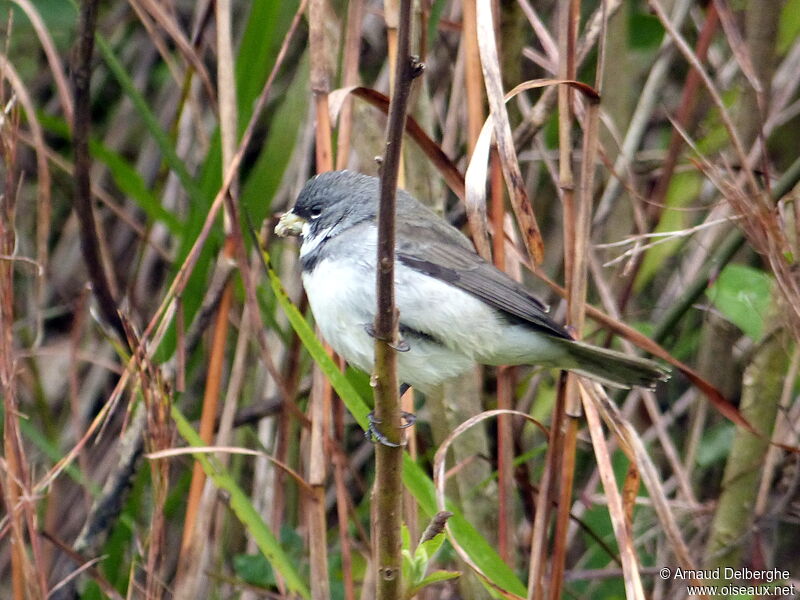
(149, 119)
(132, 185)
(243, 509)
(125, 176)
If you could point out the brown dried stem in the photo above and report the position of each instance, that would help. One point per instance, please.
(27, 580)
(575, 276)
(195, 530)
(319, 408)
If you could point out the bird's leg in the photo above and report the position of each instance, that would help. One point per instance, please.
(399, 345)
(409, 418)
(372, 433)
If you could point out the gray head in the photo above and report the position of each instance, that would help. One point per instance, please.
(331, 202)
(338, 198)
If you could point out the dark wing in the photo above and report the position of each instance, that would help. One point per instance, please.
(442, 252)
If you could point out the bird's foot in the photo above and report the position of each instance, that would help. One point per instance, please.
(374, 435)
(408, 418)
(399, 345)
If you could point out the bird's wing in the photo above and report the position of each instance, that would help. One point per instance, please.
(443, 253)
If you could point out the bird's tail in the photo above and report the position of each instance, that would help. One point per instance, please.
(613, 368)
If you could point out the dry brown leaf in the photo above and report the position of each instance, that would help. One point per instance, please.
(502, 130)
(450, 173)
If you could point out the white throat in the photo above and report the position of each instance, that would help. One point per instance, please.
(310, 242)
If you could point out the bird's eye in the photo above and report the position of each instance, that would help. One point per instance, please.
(316, 212)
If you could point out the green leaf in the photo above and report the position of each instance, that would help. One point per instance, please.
(645, 31)
(789, 25)
(743, 295)
(267, 24)
(434, 577)
(431, 547)
(242, 507)
(433, 20)
(405, 536)
(254, 569)
(407, 565)
(265, 177)
(716, 444)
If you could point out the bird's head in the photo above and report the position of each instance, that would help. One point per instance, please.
(330, 202)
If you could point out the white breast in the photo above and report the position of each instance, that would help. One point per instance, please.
(343, 299)
(341, 292)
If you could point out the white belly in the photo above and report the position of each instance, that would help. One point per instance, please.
(343, 299)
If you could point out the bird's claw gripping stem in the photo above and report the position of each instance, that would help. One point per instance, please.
(373, 435)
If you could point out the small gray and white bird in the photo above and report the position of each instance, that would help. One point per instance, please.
(455, 308)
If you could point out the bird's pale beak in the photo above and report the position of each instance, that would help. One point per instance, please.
(289, 224)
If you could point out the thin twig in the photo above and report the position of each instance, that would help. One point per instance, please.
(388, 459)
(82, 202)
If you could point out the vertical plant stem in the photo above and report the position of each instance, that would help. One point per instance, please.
(391, 13)
(473, 76)
(569, 434)
(505, 451)
(14, 472)
(82, 203)
(192, 546)
(575, 276)
(342, 505)
(320, 402)
(319, 408)
(157, 406)
(763, 383)
(320, 82)
(565, 175)
(352, 48)
(388, 459)
(207, 417)
(505, 455)
(539, 547)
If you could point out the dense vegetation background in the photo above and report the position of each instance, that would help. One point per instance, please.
(142, 139)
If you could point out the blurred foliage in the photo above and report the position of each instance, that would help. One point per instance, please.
(157, 167)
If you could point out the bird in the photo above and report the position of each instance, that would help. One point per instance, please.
(455, 308)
